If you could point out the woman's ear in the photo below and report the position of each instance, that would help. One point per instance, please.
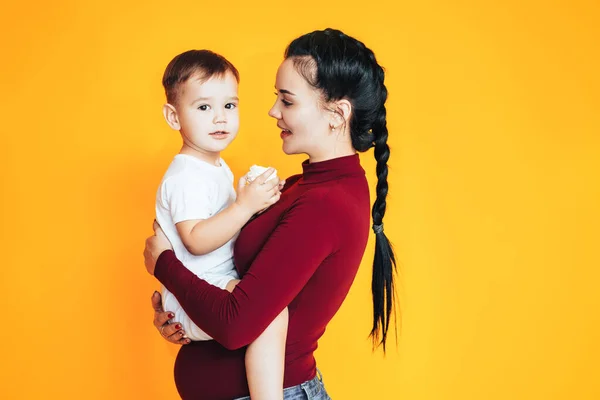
(341, 112)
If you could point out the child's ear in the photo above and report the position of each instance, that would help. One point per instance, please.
(170, 114)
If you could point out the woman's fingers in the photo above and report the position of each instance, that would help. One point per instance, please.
(160, 317)
(171, 332)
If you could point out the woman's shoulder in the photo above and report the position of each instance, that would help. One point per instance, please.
(333, 210)
(334, 199)
(290, 181)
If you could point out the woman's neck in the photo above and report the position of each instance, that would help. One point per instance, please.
(336, 151)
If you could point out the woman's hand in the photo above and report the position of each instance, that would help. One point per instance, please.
(171, 332)
(155, 245)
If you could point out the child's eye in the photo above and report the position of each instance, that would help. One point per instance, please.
(203, 107)
(230, 106)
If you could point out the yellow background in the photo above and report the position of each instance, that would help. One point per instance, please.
(493, 206)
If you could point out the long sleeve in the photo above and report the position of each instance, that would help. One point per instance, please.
(302, 240)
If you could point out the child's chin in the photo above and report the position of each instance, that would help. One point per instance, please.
(221, 146)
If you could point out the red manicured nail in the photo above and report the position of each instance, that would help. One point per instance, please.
(178, 326)
(171, 315)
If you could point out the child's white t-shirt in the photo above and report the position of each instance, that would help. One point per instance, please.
(194, 189)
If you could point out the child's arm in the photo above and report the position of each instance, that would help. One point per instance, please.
(201, 236)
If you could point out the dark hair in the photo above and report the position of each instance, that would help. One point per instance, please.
(204, 63)
(342, 67)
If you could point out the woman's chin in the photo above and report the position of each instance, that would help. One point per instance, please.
(289, 150)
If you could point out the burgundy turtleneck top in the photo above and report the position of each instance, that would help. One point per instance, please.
(302, 253)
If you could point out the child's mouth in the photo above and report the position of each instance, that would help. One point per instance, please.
(219, 134)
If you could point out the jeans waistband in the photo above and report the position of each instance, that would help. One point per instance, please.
(312, 387)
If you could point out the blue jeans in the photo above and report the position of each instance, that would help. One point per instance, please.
(309, 390)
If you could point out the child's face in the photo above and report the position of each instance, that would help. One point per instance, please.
(208, 113)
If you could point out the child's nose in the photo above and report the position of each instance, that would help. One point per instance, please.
(220, 117)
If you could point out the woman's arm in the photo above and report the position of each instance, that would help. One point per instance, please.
(299, 244)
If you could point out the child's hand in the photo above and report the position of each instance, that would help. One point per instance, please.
(259, 194)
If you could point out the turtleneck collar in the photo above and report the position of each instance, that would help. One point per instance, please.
(330, 170)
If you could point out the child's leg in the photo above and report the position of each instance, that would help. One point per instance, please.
(265, 358)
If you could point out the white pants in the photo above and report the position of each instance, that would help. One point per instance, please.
(170, 303)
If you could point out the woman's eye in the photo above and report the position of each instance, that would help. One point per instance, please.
(285, 102)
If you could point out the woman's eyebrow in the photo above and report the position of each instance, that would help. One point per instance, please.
(285, 91)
